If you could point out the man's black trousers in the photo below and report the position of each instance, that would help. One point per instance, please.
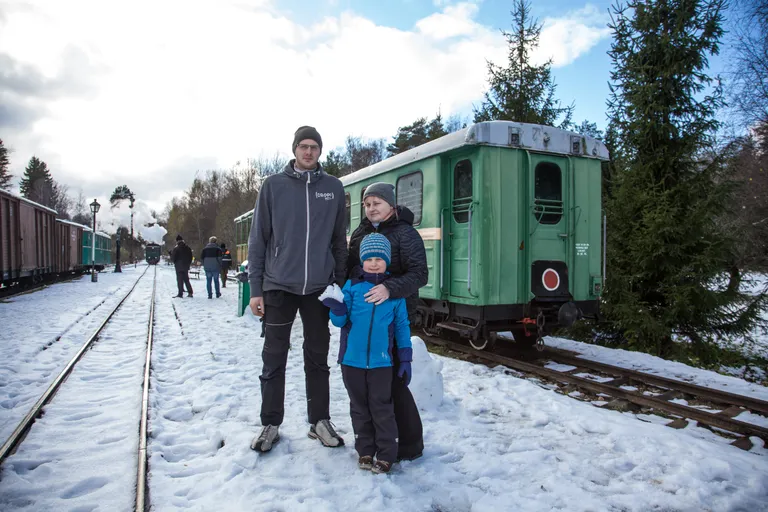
(182, 279)
(280, 311)
(372, 411)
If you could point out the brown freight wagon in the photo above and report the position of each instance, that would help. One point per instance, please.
(27, 231)
(69, 241)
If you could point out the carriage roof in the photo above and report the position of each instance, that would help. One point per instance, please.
(244, 216)
(508, 134)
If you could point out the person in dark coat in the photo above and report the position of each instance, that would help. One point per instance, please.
(408, 272)
(181, 256)
(226, 263)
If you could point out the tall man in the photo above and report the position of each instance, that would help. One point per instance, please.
(297, 246)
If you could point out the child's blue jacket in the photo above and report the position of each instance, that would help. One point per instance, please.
(368, 331)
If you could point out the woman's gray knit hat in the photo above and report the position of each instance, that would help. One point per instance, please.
(382, 190)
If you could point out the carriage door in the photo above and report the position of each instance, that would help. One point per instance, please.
(548, 226)
(460, 223)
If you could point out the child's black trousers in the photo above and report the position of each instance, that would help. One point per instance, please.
(372, 411)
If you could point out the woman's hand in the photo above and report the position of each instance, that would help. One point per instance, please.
(377, 294)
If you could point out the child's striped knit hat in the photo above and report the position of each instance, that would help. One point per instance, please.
(376, 245)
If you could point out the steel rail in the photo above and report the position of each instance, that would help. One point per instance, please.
(141, 481)
(714, 395)
(634, 397)
(16, 437)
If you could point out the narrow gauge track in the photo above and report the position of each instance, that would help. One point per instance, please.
(20, 433)
(632, 390)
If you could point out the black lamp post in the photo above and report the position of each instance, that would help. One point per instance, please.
(117, 253)
(94, 210)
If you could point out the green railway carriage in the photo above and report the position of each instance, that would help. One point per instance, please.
(103, 250)
(511, 218)
(242, 231)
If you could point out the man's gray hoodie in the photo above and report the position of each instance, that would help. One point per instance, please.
(298, 237)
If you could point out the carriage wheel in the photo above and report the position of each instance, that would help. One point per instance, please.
(486, 343)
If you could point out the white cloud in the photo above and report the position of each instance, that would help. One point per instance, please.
(565, 39)
(163, 86)
(455, 20)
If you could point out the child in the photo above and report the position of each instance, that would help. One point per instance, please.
(368, 336)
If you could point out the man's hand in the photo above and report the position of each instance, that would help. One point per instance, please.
(257, 306)
(377, 294)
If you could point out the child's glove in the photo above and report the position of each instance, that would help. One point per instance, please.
(404, 371)
(333, 298)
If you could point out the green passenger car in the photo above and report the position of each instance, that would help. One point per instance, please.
(103, 250)
(510, 214)
(242, 231)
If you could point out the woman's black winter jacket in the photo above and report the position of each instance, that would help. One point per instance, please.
(408, 268)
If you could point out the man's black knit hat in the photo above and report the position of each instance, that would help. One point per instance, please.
(179, 237)
(306, 132)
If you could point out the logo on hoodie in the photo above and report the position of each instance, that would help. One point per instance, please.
(328, 196)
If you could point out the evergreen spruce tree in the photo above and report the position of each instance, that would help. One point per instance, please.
(523, 92)
(417, 133)
(336, 164)
(671, 286)
(37, 183)
(5, 175)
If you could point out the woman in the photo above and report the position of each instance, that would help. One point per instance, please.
(408, 272)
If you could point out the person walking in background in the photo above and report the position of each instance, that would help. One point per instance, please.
(226, 263)
(211, 258)
(369, 333)
(297, 246)
(181, 256)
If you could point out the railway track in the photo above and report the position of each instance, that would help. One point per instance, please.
(621, 389)
(106, 380)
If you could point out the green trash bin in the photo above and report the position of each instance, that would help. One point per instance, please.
(243, 291)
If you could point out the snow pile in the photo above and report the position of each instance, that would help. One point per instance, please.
(427, 381)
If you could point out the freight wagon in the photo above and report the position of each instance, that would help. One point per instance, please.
(34, 245)
(26, 239)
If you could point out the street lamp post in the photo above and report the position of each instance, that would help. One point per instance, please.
(94, 210)
(117, 253)
(131, 205)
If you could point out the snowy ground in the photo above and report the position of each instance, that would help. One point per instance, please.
(493, 441)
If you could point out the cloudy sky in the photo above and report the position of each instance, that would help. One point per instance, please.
(146, 93)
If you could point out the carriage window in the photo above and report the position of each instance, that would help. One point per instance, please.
(548, 193)
(409, 194)
(348, 206)
(462, 191)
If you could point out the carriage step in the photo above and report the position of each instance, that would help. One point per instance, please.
(462, 329)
